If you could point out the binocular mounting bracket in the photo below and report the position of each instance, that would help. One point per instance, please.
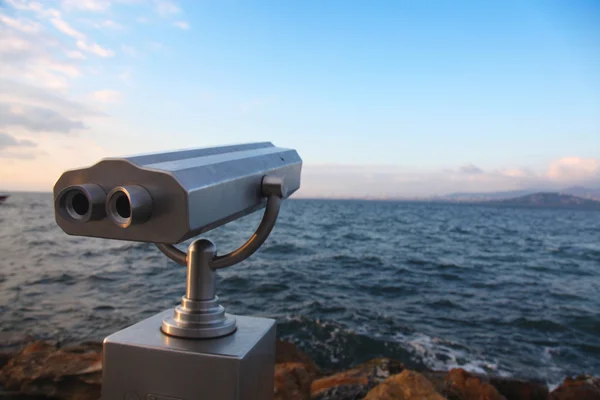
(200, 315)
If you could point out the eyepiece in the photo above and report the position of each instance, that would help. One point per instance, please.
(82, 203)
(129, 205)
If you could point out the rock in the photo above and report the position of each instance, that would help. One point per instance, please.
(511, 388)
(286, 352)
(5, 395)
(409, 385)
(516, 389)
(461, 385)
(292, 382)
(356, 382)
(437, 378)
(579, 388)
(10, 344)
(41, 369)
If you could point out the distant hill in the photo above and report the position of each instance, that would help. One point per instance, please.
(550, 200)
(586, 193)
(470, 197)
(577, 191)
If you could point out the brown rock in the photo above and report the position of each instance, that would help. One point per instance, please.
(515, 389)
(11, 343)
(286, 352)
(292, 382)
(579, 388)
(356, 382)
(461, 385)
(438, 378)
(43, 370)
(408, 385)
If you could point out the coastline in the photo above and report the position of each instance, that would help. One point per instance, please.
(37, 370)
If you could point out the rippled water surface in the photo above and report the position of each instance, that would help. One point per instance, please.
(507, 291)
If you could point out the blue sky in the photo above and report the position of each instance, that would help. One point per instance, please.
(381, 99)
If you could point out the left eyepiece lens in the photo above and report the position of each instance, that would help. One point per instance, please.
(82, 203)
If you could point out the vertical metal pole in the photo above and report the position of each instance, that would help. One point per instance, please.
(200, 276)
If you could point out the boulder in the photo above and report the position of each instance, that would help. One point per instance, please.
(461, 385)
(292, 382)
(409, 385)
(579, 388)
(286, 352)
(356, 382)
(11, 343)
(511, 388)
(517, 389)
(41, 369)
(437, 378)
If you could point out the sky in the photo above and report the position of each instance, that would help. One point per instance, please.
(381, 99)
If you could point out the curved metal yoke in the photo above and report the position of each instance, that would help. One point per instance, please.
(274, 189)
(200, 315)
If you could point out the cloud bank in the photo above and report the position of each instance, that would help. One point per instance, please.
(47, 49)
(393, 182)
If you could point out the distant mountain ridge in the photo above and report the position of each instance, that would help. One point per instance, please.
(585, 193)
(550, 199)
(577, 191)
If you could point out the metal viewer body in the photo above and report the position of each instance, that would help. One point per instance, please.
(197, 350)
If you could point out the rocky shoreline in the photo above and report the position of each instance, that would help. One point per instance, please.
(36, 370)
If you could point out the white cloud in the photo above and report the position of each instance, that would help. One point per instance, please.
(82, 41)
(346, 181)
(31, 57)
(19, 93)
(574, 169)
(106, 96)
(10, 44)
(95, 48)
(37, 73)
(182, 25)
(66, 69)
(166, 8)
(35, 7)
(75, 55)
(36, 119)
(65, 28)
(44, 53)
(87, 5)
(20, 24)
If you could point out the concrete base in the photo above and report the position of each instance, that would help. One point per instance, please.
(142, 363)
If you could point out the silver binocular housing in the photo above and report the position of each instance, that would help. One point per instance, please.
(173, 196)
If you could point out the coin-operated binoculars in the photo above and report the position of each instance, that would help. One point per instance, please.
(196, 351)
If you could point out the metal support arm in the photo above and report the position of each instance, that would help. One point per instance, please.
(200, 315)
(274, 189)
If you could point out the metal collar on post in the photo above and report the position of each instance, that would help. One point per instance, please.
(200, 315)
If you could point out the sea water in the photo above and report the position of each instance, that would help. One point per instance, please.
(506, 291)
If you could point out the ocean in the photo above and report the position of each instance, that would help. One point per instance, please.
(507, 291)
